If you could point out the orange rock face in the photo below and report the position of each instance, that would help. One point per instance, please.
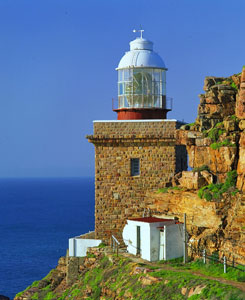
(220, 161)
(215, 226)
(240, 104)
(241, 164)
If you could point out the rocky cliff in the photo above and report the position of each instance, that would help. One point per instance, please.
(104, 276)
(212, 193)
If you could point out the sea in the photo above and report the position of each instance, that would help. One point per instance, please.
(37, 217)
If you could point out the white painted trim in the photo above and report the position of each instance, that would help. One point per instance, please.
(134, 121)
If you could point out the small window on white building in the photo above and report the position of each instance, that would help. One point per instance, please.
(135, 166)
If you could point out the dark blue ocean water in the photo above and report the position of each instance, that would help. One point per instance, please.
(37, 217)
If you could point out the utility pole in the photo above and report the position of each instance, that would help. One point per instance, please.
(185, 244)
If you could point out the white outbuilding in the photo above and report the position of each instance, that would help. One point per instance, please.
(153, 238)
(79, 245)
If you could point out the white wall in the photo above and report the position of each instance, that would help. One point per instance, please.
(130, 238)
(78, 247)
(174, 241)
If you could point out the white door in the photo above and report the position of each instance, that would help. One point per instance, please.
(161, 250)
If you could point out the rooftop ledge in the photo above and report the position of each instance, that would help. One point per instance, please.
(133, 121)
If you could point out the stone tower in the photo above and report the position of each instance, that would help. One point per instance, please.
(137, 152)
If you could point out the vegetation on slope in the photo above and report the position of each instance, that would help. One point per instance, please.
(121, 278)
(215, 191)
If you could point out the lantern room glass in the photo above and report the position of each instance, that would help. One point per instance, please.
(141, 88)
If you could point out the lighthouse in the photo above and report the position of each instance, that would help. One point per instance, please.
(142, 83)
(136, 153)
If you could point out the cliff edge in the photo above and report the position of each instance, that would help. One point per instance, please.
(212, 193)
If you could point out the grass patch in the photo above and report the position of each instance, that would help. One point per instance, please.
(216, 269)
(49, 296)
(172, 262)
(76, 292)
(120, 279)
(35, 296)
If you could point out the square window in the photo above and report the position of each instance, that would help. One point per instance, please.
(135, 166)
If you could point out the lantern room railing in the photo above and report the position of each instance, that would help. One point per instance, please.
(165, 103)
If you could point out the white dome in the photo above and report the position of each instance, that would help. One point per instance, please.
(141, 54)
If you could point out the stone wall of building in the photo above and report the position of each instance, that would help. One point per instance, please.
(118, 195)
(133, 128)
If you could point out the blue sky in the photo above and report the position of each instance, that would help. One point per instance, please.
(57, 70)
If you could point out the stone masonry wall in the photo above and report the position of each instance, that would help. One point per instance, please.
(118, 195)
(124, 129)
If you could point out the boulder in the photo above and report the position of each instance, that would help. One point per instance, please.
(148, 280)
(208, 176)
(196, 290)
(192, 180)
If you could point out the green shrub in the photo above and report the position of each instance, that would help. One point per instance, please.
(234, 86)
(234, 118)
(225, 143)
(216, 132)
(91, 255)
(230, 82)
(102, 245)
(214, 191)
(190, 124)
(207, 195)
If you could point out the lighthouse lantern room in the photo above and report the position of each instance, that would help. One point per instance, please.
(142, 83)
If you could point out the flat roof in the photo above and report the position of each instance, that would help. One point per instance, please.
(151, 220)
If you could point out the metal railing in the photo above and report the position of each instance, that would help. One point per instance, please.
(114, 244)
(224, 260)
(166, 103)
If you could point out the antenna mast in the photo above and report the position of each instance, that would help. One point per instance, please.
(141, 32)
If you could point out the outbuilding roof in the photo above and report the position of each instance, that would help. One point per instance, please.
(151, 220)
